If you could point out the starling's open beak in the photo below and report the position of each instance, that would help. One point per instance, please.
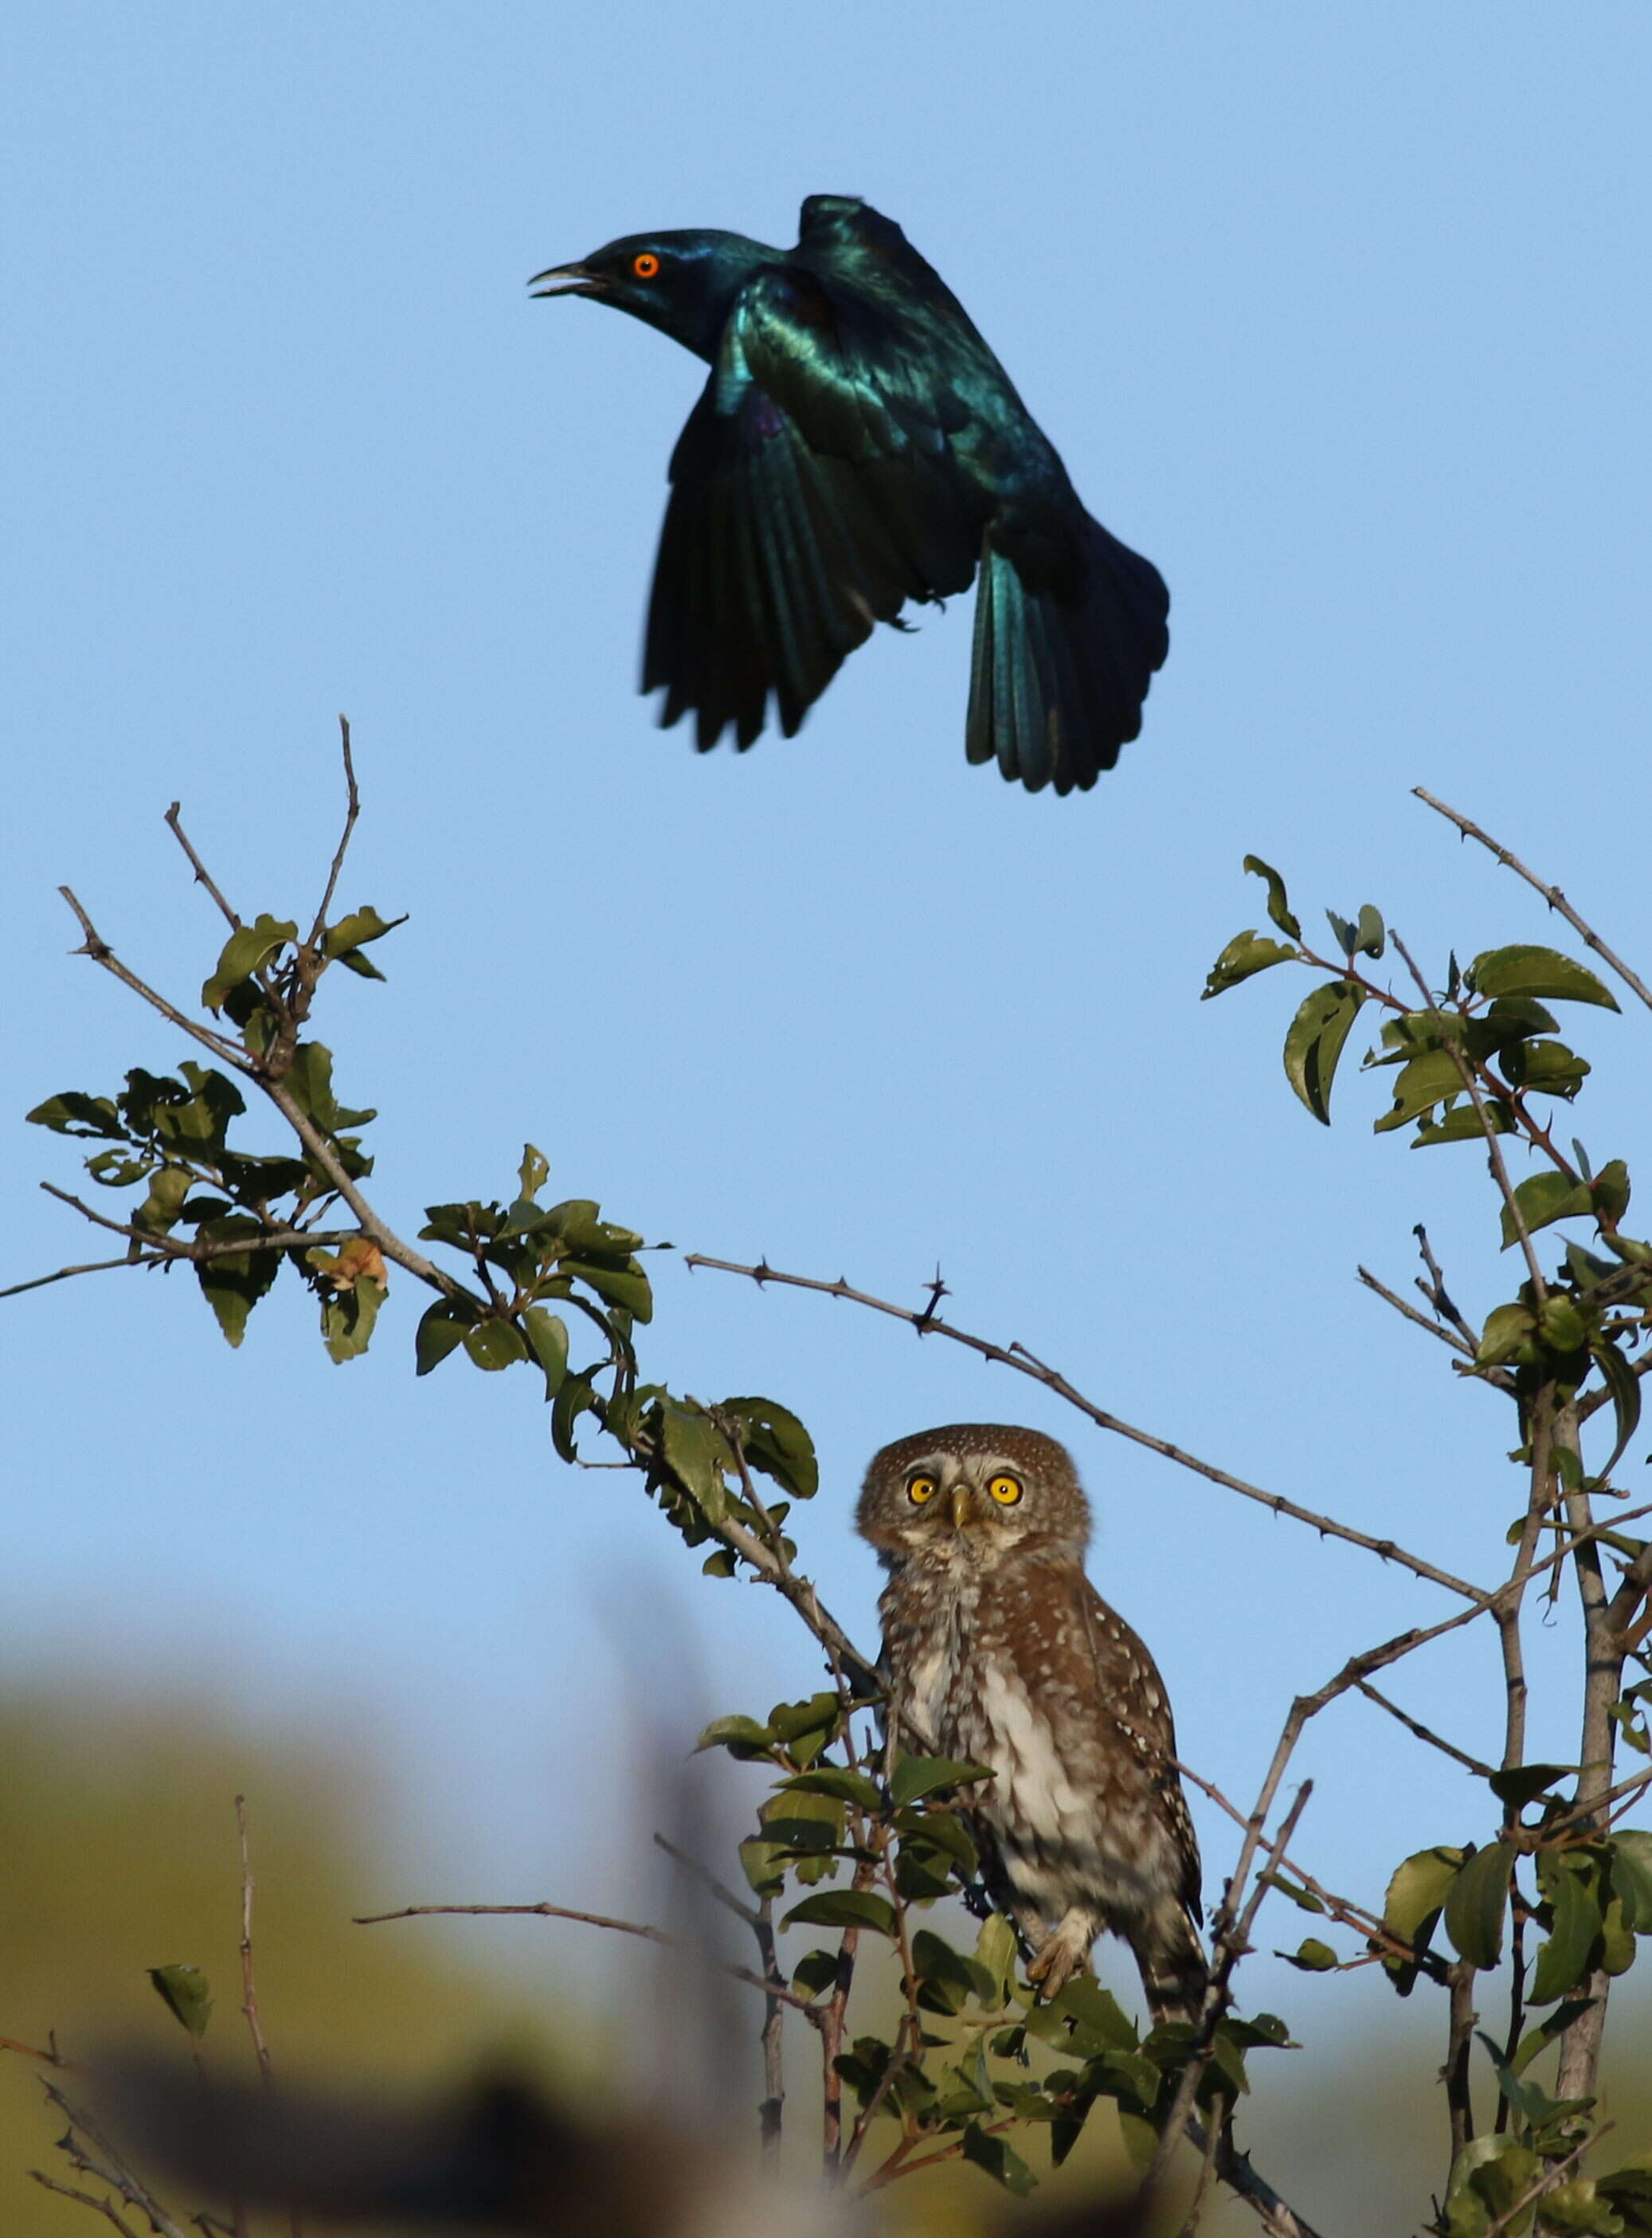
(566, 279)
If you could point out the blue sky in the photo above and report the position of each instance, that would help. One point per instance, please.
(1340, 317)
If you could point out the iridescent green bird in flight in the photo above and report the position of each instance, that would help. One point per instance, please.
(857, 445)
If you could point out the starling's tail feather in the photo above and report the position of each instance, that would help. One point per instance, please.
(1058, 681)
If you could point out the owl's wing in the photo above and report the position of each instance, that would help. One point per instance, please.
(1133, 1695)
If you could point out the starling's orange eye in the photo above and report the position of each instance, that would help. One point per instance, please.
(919, 1488)
(1005, 1490)
(644, 264)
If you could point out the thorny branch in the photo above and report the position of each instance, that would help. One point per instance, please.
(1026, 1363)
(1552, 895)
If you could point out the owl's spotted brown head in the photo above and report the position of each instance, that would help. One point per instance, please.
(973, 1492)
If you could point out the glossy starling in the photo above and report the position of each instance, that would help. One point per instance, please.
(858, 445)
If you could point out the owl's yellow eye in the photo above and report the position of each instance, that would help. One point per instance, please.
(644, 264)
(919, 1488)
(1005, 1490)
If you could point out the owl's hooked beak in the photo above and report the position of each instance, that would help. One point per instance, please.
(962, 1503)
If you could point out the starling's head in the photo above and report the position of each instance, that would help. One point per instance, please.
(684, 283)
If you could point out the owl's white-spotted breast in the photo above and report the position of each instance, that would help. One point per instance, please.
(998, 1649)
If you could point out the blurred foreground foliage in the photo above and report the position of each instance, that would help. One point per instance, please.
(119, 1852)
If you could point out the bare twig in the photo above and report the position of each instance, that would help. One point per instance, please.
(98, 948)
(1459, 2096)
(1603, 1652)
(41, 1281)
(351, 810)
(248, 1993)
(104, 2207)
(1024, 1363)
(1467, 1073)
(1422, 1321)
(1436, 1293)
(110, 2167)
(1422, 1732)
(1552, 895)
(203, 877)
(774, 1988)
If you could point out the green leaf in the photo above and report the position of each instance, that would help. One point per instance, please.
(915, 1776)
(1278, 905)
(1631, 1870)
(342, 941)
(1508, 1335)
(441, 1327)
(167, 1188)
(815, 1971)
(1244, 957)
(1464, 1124)
(1562, 1963)
(1002, 2162)
(576, 1398)
(626, 1287)
(1540, 972)
(248, 949)
(1544, 1198)
(743, 1737)
(232, 1283)
(493, 1345)
(533, 1172)
(1478, 1899)
(1548, 1066)
(347, 1318)
(1300, 1897)
(1424, 1081)
(1624, 1385)
(776, 1442)
(548, 1337)
(184, 1992)
(92, 1117)
(844, 1907)
(845, 1786)
(1560, 1324)
(1416, 1895)
(697, 1453)
(1314, 1042)
(1610, 1192)
(1312, 1956)
(1524, 1783)
(996, 1952)
(1370, 934)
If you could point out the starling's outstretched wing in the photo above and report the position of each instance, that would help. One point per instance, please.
(806, 506)
(1070, 622)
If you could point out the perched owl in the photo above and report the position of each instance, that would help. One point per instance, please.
(998, 1649)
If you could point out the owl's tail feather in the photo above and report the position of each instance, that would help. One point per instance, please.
(1174, 1967)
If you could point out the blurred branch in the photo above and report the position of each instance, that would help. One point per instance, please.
(110, 2168)
(104, 2207)
(772, 1987)
(1552, 895)
(927, 1322)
